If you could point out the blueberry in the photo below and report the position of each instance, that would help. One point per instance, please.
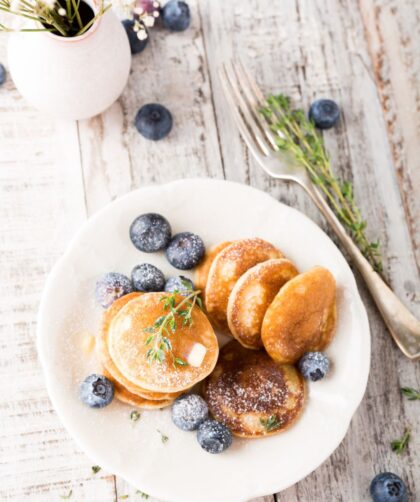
(3, 74)
(213, 436)
(324, 113)
(150, 232)
(180, 283)
(147, 277)
(189, 411)
(96, 391)
(112, 286)
(153, 121)
(176, 15)
(314, 366)
(136, 45)
(388, 487)
(185, 250)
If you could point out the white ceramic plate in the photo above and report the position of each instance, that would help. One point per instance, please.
(179, 470)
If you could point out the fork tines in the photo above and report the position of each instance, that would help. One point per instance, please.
(246, 101)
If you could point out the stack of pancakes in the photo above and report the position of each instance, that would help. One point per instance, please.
(258, 296)
(122, 350)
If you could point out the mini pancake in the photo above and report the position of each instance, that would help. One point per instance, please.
(302, 317)
(227, 268)
(202, 271)
(252, 295)
(252, 394)
(108, 363)
(123, 395)
(128, 349)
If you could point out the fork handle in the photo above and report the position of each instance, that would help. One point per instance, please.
(403, 326)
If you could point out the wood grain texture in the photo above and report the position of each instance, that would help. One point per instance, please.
(53, 175)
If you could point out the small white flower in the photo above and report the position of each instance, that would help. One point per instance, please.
(138, 10)
(148, 21)
(156, 13)
(61, 11)
(142, 35)
(156, 5)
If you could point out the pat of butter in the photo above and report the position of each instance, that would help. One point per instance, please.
(196, 356)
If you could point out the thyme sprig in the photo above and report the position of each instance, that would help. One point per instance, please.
(298, 136)
(410, 393)
(166, 325)
(271, 423)
(399, 445)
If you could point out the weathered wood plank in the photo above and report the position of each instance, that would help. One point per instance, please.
(392, 31)
(41, 206)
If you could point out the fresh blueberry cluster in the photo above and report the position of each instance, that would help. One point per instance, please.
(190, 413)
(152, 232)
(149, 233)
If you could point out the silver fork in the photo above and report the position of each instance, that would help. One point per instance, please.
(245, 99)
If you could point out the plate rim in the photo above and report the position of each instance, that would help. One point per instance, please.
(41, 339)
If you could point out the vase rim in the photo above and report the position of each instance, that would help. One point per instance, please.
(83, 36)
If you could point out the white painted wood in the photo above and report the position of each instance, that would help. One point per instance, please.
(53, 175)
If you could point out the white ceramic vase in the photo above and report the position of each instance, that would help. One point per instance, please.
(72, 78)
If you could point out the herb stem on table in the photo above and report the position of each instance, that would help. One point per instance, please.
(410, 393)
(298, 136)
(399, 445)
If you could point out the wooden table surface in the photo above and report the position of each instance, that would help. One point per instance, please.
(54, 175)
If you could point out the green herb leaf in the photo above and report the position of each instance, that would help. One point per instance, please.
(95, 469)
(64, 497)
(179, 362)
(135, 415)
(410, 393)
(163, 437)
(123, 497)
(399, 445)
(165, 326)
(271, 423)
(143, 495)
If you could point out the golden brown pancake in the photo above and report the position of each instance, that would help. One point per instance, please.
(252, 394)
(227, 268)
(302, 317)
(128, 349)
(123, 395)
(108, 363)
(202, 271)
(252, 295)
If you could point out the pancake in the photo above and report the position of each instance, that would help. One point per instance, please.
(128, 349)
(202, 271)
(108, 363)
(252, 295)
(252, 394)
(302, 317)
(123, 395)
(227, 268)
